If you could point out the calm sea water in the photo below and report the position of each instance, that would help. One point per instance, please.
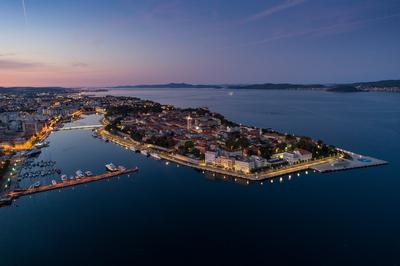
(169, 215)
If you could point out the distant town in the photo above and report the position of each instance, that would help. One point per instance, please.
(195, 137)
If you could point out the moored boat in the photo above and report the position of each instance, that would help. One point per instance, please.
(155, 156)
(111, 167)
(64, 177)
(88, 173)
(79, 174)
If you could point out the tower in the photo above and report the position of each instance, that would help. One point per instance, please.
(189, 122)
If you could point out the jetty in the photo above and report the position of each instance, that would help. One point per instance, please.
(356, 161)
(12, 195)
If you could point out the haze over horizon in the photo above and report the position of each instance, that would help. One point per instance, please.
(105, 43)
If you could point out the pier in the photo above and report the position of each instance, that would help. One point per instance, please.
(356, 161)
(80, 127)
(67, 183)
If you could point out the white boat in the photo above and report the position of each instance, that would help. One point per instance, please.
(42, 144)
(53, 182)
(72, 177)
(111, 167)
(64, 177)
(144, 152)
(121, 168)
(88, 173)
(132, 149)
(155, 156)
(35, 185)
(79, 174)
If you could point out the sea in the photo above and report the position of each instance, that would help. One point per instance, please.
(175, 215)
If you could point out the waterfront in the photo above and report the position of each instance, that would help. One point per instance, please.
(177, 213)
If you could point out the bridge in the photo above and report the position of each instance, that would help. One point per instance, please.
(81, 127)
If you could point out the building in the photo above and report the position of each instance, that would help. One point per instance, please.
(224, 162)
(303, 155)
(209, 157)
(244, 166)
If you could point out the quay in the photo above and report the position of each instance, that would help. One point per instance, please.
(324, 165)
(260, 176)
(67, 183)
(356, 161)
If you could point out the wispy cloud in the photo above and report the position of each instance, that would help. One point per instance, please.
(24, 10)
(9, 64)
(79, 65)
(330, 29)
(272, 10)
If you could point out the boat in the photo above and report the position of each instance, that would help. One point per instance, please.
(64, 177)
(42, 144)
(79, 174)
(132, 149)
(88, 173)
(33, 152)
(35, 185)
(155, 156)
(144, 152)
(121, 168)
(111, 167)
(53, 182)
(6, 200)
(72, 177)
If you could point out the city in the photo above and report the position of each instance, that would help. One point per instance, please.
(171, 132)
(194, 137)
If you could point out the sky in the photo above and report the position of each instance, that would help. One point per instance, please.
(118, 42)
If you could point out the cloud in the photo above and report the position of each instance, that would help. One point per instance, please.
(14, 64)
(79, 64)
(274, 9)
(334, 28)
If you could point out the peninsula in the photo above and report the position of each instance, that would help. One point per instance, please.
(194, 137)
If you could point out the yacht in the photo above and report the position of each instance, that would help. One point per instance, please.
(144, 152)
(33, 152)
(42, 144)
(53, 182)
(79, 174)
(88, 173)
(111, 167)
(35, 185)
(121, 168)
(132, 149)
(64, 177)
(155, 156)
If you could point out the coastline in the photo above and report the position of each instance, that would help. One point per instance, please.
(321, 165)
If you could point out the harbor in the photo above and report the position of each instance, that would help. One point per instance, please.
(12, 195)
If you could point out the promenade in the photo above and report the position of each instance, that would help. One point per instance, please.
(259, 176)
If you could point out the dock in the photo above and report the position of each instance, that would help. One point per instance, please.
(356, 161)
(67, 183)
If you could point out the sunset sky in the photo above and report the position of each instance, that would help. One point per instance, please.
(115, 42)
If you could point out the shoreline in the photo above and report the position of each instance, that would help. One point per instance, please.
(260, 176)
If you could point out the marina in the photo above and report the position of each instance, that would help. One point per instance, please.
(38, 188)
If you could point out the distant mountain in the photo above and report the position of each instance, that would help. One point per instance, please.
(379, 84)
(170, 85)
(37, 89)
(278, 86)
